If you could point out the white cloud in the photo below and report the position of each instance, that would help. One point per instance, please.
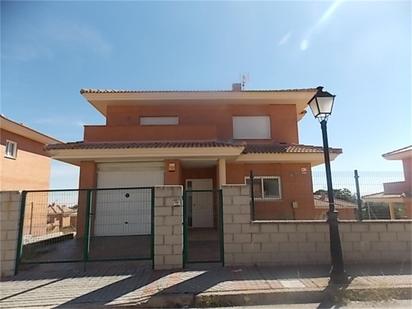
(284, 39)
(304, 44)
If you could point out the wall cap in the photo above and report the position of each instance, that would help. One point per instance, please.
(324, 221)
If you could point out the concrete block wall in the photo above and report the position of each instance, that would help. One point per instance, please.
(9, 222)
(306, 242)
(168, 227)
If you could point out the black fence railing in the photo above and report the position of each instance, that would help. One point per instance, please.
(61, 226)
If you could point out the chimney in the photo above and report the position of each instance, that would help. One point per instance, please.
(237, 87)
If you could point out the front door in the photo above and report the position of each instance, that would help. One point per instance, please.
(201, 203)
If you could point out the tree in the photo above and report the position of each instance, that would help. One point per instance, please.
(342, 194)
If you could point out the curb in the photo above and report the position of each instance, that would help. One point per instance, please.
(332, 294)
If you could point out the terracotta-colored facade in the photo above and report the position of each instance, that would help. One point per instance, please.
(28, 169)
(204, 119)
(205, 122)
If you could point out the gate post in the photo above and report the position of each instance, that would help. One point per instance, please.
(221, 229)
(168, 227)
(20, 231)
(152, 226)
(358, 196)
(86, 233)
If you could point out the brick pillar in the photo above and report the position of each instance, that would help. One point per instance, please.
(236, 217)
(9, 227)
(168, 227)
(87, 180)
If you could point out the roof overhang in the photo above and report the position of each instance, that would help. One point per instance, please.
(102, 99)
(399, 154)
(313, 158)
(20, 129)
(75, 156)
(384, 198)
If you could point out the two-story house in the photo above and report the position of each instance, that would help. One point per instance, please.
(397, 195)
(201, 140)
(25, 165)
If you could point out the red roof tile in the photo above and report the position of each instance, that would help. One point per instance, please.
(286, 148)
(89, 90)
(248, 148)
(144, 144)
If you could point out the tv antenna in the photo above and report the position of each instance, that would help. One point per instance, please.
(244, 78)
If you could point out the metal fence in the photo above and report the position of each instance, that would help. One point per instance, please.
(357, 190)
(357, 195)
(203, 226)
(58, 226)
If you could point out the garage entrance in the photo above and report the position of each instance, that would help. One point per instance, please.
(104, 224)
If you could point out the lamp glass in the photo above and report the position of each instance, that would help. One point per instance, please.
(325, 105)
(314, 107)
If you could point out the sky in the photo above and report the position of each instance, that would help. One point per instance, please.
(358, 50)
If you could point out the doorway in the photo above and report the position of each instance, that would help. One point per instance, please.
(203, 239)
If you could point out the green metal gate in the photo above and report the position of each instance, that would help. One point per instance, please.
(86, 225)
(202, 244)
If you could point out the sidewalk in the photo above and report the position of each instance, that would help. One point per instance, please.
(127, 285)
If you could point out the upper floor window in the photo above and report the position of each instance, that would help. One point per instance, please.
(159, 121)
(251, 127)
(11, 149)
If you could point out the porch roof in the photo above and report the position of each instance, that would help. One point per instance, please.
(238, 151)
(246, 148)
(143, 144)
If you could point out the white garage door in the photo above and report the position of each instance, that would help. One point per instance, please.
(125, 211)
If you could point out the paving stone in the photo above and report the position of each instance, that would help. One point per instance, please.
(128, 284)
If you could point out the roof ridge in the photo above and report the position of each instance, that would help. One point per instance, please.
(111, 90)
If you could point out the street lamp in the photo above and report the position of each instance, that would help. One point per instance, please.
(321, 105)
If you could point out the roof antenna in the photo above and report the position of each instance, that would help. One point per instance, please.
(244, 78)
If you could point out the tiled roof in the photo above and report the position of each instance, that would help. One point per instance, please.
(286, 148)
(144, 144)
(397, 151)
(21, 129)
(89, 90)
(248, 148)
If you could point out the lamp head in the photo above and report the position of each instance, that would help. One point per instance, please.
(322, 104)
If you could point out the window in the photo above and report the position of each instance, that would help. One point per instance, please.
(11, 149)
(159, 121)
(251, 127)
(266, 187)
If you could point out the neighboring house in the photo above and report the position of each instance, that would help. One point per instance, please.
(397, 195)
(25, 165)
(347, 210)
(61, 218)
(201, 140)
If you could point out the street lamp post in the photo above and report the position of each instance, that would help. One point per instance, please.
(321, 105)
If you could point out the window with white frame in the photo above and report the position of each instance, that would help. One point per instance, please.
(11, 149)
(159, 121)
(251, 127)
(266, 187)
